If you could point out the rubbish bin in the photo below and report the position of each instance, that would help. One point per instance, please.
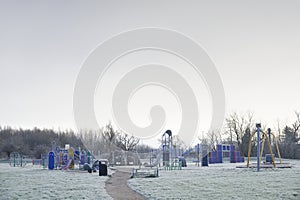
(102, 169)
(204, 162)
(269, 158)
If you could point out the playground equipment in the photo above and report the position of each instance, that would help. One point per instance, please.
(145, 173)
(170, 160)
(269, 137)
(263, 138)
(204, 157)
(16, 160)
(167, 147)
(56, 158)
(217, 155)
(202, 152)
(51, 160)
(68, 158)
(175, 165)
(64, 158)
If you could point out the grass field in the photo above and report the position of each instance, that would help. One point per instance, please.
(219, 181)
(222, 181)
(36, 183)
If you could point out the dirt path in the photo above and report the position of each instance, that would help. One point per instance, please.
(117, 187)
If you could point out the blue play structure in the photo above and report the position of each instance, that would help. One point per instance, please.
(64, 158)
(204, 159)
(51, 160)
(222, 152)
(218, 155)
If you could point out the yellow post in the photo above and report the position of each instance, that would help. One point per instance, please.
(262, 147)
(277, 148)
(272, 155)
(249, 149)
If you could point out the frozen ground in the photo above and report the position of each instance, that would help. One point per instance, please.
(222, 181)
(37, 183)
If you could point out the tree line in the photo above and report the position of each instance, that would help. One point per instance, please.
(104, 142)
(34, 142)
(117, 146)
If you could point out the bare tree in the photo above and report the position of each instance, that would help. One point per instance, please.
(278, 129)
(110, 136)
(296, 124)
(177, 142)
(237, 125)
(203, 141)
(213, 138)
(126, 143)
(92, 140)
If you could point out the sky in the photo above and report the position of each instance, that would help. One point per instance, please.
(254, 46)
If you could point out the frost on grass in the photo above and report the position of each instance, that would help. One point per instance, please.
(33, 183)
(221, 182)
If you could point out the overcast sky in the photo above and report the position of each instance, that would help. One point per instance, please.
(255, 46)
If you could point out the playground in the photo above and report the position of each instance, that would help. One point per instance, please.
(223, 173)
(61, 159)
(201, 172)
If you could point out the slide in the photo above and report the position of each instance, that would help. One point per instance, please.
(69, 165)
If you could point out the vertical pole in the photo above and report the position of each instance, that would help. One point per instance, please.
(14, 159)
(269, 133)
(170, 148)
(198, 154)
(89, 157)
(258, 148)
(113, 157)
(151, 157)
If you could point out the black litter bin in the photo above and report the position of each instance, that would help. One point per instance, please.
(204, 162)
(102, 169)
